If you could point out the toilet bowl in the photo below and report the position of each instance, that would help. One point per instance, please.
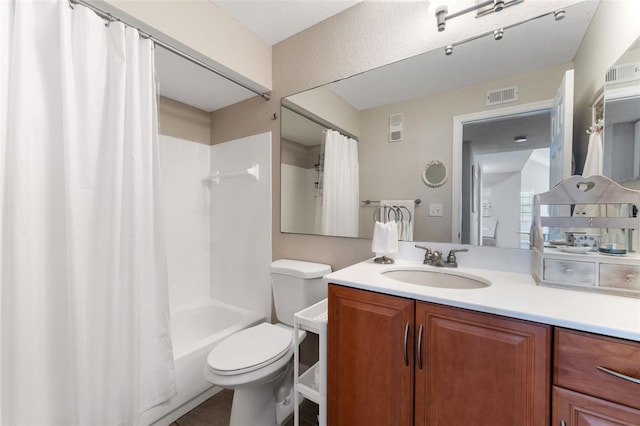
(257, 362)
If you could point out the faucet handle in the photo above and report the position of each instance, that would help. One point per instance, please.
(451, 258)
(427, 254)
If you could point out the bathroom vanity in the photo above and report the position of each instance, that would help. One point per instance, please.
(510, 353)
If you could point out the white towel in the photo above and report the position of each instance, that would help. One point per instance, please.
(593, 162)
(385, 238)
(405, 219)
(592, 166)
(407, 230)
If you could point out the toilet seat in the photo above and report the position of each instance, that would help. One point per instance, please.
(250, 349)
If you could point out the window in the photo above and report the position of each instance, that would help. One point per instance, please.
(526, 206)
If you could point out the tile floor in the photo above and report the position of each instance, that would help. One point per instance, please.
(216, 411)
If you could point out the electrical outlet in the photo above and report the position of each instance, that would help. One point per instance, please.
(435, 209)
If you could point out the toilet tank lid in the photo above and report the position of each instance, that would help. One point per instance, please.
(299, 268)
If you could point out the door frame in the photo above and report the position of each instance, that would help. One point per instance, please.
(456, 164)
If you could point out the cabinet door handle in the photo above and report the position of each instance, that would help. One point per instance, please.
(406, 338)
(619, 375)
(563, 423)
(420, 348)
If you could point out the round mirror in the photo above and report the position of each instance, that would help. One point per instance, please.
(435, 174)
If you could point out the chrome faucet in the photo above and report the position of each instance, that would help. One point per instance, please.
(427, 254)
(435, 257)
(452, 261)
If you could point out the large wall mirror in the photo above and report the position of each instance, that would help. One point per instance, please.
(622, 119)
(402, 116)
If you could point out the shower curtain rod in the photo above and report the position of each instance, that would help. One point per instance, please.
(108, 16)
(314, 118)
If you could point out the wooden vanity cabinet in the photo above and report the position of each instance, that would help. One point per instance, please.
(480, 369)
(584, 393)
(469, 368)
(369, 358)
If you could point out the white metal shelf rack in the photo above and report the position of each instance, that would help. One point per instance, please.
(310, 385)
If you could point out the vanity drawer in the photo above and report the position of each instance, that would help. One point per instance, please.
(620, 276)
(578, 357)
(569, 272)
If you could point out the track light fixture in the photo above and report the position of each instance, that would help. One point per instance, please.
(441, 17)
(497, 34)
(559, 15)
(520, 139)
(484, 7)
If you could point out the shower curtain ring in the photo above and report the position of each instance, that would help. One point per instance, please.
(109, 19)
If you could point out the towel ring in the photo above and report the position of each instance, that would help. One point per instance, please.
(408, 211)
(381, 217)
(377, 212)
(397, 213)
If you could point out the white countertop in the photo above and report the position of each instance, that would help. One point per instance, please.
(510, 294)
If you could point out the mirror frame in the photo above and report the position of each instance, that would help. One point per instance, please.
(436, 164)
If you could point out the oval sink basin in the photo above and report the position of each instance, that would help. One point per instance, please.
(434, 278)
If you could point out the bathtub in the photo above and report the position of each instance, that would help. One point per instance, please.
(195, 329)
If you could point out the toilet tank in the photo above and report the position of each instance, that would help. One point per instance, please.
(296, 285)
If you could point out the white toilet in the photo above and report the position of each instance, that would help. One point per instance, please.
(257, 362)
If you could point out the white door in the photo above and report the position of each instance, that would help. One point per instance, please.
(562, 131)
(561, 148)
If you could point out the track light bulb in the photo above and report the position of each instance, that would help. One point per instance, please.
(520, 139)
(498, 5)
(498, 34)
(441, 17)
(448, 50)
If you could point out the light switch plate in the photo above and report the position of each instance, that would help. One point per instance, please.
(435, 209)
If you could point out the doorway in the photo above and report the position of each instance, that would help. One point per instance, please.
(509, 159)
(499, 172)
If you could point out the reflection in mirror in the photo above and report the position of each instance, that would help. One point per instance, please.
(621, 132)
(320, 171)
(616, 129)
(509, 158)
(300, 172)
(426, 93)
(435, 174)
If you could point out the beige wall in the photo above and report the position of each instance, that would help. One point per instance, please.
(612, 31)
(201, 26)
(183, 121)
(331, 107)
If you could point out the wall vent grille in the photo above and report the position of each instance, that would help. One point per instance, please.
(501, 96)
(623, 73)
(395, 127)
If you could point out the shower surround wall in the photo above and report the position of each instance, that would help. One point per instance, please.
(218, 247)
(241, 225)
(185, 165)
(218, 235)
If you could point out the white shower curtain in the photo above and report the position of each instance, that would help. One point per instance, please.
(84, 296)
(340, 185)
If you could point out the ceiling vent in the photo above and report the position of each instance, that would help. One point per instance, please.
(395, 127)
(502, 96)
(623, 73)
